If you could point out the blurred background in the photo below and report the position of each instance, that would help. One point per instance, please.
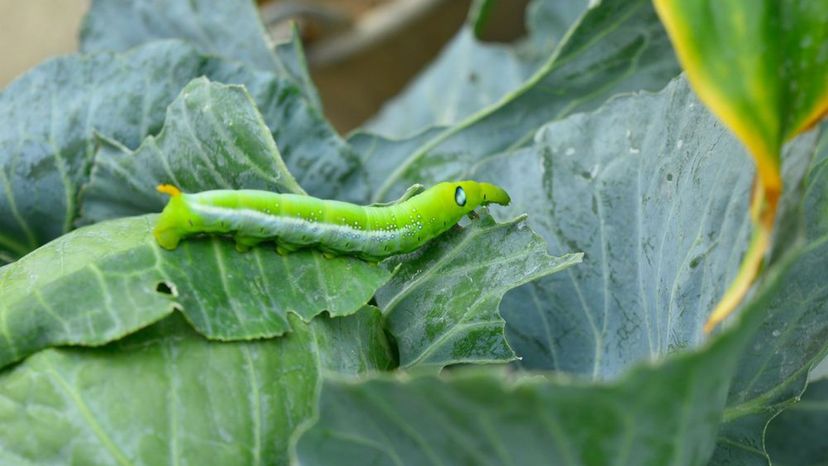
(360, 52)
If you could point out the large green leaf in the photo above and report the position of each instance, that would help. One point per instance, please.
(816, 199)
(101, 282)
(653, 190)
(50, 114)
(773, 372)
(380, 155)
(624, 185)
(230, 28)
(792, 339)
(470, 74)
(548, 21)
(319, 159)
(656, 414)
(454, 86)
(54, 110)
(213, 138)
(168, 396)
(616, 46)
(441, 304)
(797, 436)
(760, 65)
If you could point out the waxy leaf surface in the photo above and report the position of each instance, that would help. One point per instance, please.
(794, 336)
(461, 80)
(168, 395)
(760, 65)
(231, 29)
(102, 282)
(233, 25)
(616, 46)
(797, 436)
(442, 302)
(56, 109)
(213, 138)
(656, 414)
(654, 191)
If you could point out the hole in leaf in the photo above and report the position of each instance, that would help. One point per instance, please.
(166, 288)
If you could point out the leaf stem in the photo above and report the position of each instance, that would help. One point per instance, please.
(763, 208)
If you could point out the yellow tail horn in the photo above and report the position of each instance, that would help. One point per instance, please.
(168, 189)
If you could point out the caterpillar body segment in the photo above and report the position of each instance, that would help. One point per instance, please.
(336, 228)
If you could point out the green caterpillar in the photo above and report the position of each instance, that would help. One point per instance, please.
(336, 228)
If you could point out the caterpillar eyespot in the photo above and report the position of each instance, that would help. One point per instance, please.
(460, 196)
(295, 221)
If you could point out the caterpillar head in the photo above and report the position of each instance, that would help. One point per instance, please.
(469, 195)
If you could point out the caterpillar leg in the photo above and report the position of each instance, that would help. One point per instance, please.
(244, 243)
(328, 253)
(285, 248)
(167, 238)
(371, 259)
